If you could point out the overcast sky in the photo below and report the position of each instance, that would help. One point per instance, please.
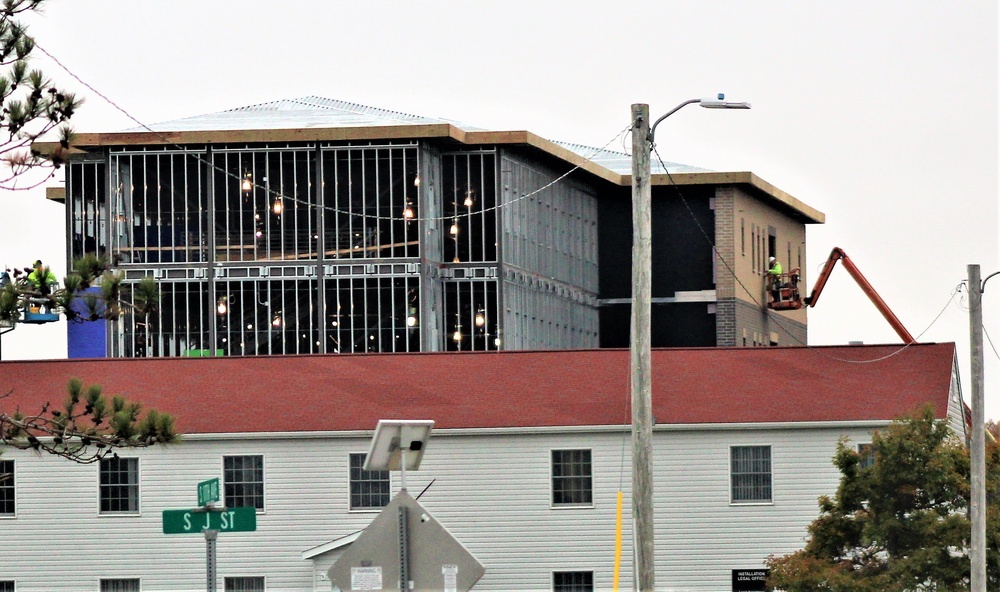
(882, 115)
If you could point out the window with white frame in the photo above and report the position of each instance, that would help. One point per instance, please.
(573, 581)
(750, 474)
(6, 489)
(867, 456)
(572, 478)
(119, 485)
(245, 584)
(243, 481)
(369, 489)
(120, 585)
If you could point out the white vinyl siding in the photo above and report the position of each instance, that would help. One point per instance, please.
(492, 492)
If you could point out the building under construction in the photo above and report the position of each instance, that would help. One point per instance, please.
(318, 226)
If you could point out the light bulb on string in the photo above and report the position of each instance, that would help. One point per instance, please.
(454, 228)
(247, 184)
(278, 207)
(468, 199)
(408, 212)
(480, 319)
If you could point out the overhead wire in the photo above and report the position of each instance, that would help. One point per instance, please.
(585, 158)
(986, 333)
(770, 315)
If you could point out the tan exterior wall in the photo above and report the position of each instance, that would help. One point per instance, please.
(743, 230)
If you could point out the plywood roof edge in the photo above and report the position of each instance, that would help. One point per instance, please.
(56, 194)
(812, 215)
(156, 138)
(816, 216)
(535, 141)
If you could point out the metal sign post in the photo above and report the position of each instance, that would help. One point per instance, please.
(210, 520)
(210, 568)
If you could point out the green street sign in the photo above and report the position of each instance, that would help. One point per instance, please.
(208, 491)
(194, 522)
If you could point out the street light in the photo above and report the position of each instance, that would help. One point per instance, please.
(977, 503)
(640, 346)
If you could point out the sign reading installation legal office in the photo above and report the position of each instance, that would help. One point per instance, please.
(750, 580)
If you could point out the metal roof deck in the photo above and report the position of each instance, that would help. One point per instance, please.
(312, 118)
(300, 113)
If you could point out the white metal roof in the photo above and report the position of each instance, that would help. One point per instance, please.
(319, 112)
(304, 112)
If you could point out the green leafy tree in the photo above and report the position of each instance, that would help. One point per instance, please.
(898, 523)
(86, 427)
(32, 106)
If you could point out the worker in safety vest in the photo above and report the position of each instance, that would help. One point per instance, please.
(774, 278)
(42, 279)
(775, 269)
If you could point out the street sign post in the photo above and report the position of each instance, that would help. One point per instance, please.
(210, 521)
(208, 492)
(198, 520)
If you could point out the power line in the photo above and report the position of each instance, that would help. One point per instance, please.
(166, 140)
(771, 315)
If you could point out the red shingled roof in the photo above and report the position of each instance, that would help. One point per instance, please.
(506, 389)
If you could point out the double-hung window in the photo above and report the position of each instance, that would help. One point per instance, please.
(7, 506)
(573, 581)
(245, 584)
(120, 585)
(369, 489)
(243, 481)
(867, 456)
(750, 474)
(572, 478)
(119, 485)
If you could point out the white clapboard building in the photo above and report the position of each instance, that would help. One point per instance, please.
(523, 466)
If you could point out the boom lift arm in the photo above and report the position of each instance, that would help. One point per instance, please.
(783, 302)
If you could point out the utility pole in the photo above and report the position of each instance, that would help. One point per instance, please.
(641, 373)
(977, 505)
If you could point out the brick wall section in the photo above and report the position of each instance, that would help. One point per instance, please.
(725, 241)
(762, 321)
(725, 323)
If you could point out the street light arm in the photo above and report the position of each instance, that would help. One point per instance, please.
(982, 287)
(652, 128)
(718, 103)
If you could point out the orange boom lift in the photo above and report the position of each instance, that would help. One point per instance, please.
(785, 296)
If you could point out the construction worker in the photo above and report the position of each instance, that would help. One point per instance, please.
(42, 279)
(775, 269)
(774, 275)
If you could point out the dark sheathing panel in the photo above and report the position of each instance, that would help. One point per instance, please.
(681, 256)
(684, 324)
